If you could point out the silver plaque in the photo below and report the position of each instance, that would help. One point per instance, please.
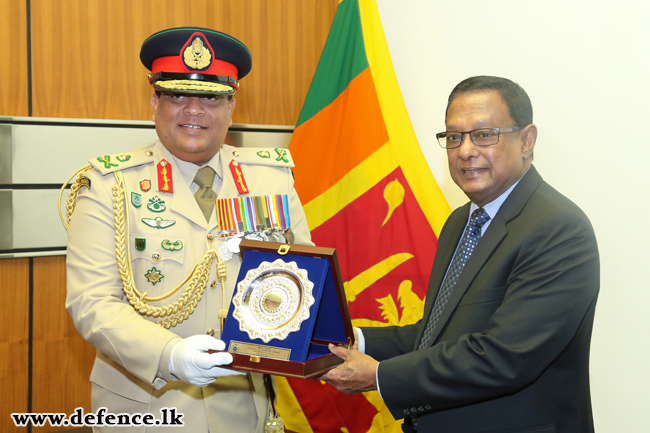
(273, 300)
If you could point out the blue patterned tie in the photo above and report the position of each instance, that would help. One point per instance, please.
(467, 244)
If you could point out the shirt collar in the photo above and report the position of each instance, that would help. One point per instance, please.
(493, 207)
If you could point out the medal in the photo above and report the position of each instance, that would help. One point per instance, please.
(154, 276)
(250, 214)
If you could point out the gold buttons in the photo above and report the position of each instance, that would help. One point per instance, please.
(235, 153)
(148, 152)
(213, 284)
(210, 332)
(210, 237)
(156, 256)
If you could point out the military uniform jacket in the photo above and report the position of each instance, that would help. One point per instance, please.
(131, 370)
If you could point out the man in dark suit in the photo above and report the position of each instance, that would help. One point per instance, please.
(504, 342)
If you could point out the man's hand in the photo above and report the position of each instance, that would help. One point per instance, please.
(357, 374)
(191, 362)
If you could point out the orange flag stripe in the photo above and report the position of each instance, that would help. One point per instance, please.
(336, 128)
(354, 184)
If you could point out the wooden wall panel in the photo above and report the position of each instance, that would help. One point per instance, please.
(13, 61)
(14, 340)
(62, 360)
(86, 53)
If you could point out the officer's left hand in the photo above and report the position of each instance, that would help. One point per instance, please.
(357, 374)
(191, 362)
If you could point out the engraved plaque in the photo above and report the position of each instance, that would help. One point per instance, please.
(259, 350)
(273, 300)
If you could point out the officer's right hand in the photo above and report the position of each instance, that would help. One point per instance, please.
(191, 362)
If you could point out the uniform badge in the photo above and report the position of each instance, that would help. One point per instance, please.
(140, 244)
(282, 155)
(136, 199)
(172, 246)
(165, 181)
(264, 154)
(145, 185)
(238, 176)
(84, 181)
(197, 52)
(158, 223)
(154, 276)
(123, 158)
(106, 159)
(156, 204)
(250, 214)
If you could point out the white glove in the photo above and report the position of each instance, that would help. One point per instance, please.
(191, 362)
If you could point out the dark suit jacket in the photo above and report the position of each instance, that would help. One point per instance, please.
(511, 350)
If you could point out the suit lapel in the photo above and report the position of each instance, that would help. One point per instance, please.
(488, 243)
(450, 236)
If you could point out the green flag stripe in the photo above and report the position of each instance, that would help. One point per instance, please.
(343, 58)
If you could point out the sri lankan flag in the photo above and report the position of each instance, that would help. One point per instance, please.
(368, 192)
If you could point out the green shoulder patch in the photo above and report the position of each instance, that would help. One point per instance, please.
(278, 157)
(119, 161)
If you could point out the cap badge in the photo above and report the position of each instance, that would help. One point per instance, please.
(197, 55)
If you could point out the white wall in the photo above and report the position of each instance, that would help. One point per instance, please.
(586, 67)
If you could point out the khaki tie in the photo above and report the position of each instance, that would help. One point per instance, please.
(205, 196)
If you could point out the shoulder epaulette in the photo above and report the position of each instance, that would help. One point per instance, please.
(106, 164)
(277, 157)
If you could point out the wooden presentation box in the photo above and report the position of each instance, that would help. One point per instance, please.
(302, 351)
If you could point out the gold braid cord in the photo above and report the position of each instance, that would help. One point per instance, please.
(72, 195)
(179, 310)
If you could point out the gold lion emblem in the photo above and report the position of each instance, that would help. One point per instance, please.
(196, 55)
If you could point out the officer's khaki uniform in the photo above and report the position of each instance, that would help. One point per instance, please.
(131, 371)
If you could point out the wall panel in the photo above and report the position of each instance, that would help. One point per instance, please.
(13, 62)
(14, 340)
(86, 53)
(62, 360)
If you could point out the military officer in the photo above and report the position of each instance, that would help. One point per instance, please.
(149, 268)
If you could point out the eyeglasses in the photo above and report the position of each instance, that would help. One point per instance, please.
(480, 137)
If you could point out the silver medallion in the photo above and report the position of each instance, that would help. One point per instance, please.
(273, 300)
